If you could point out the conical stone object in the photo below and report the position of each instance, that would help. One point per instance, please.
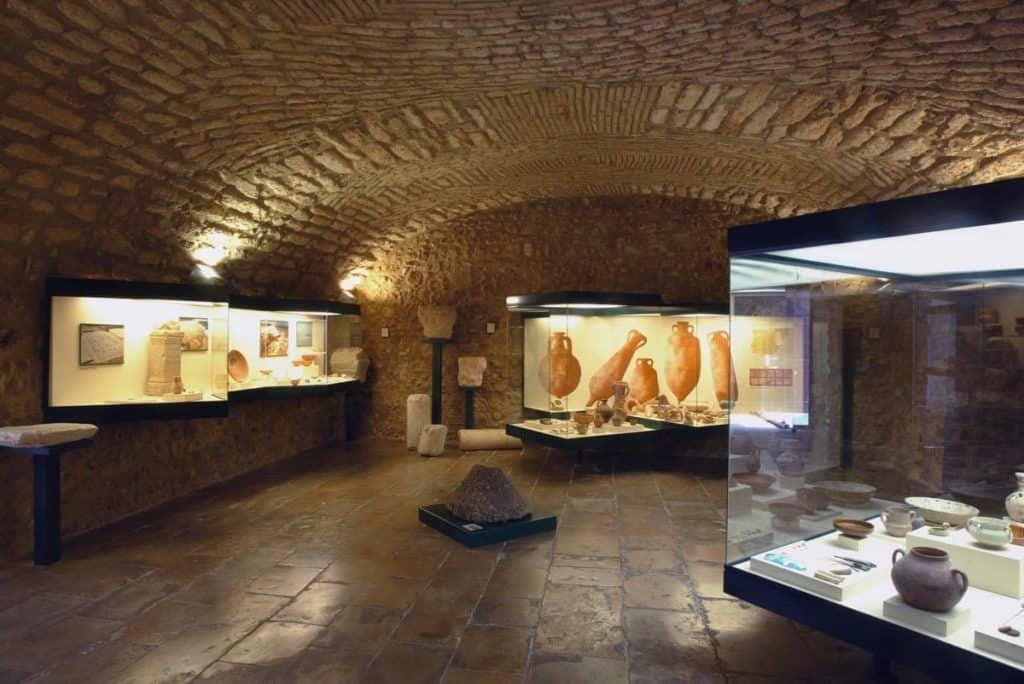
(487, 496)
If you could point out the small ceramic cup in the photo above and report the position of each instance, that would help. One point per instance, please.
(991, 532)
(1017, 532)
(898, 520)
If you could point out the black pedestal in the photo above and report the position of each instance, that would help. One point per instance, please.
(46, 492)
(437, 375)
(470, 407)
(438, 517)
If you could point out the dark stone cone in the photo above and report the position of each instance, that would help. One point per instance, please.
(486, 496)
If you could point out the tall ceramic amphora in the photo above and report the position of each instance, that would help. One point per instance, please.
(722, 372)
(559, 370)
(643, 381)
(615, 367)
(1015, 501)
(682, 370)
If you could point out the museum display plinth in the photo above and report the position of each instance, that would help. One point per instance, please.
(879, 361)
(474, 535)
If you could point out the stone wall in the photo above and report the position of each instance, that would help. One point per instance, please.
(673, 247)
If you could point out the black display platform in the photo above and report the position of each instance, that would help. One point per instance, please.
(438, 517)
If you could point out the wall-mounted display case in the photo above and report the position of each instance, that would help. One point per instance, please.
(880, 364)
(121, 350)
(283, 347)
(599, 365)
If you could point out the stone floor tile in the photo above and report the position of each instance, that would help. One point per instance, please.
(33, 652)
(517, 581)
(753, 641)
(318, 603)
(181, 658)
(283, 580)
(581, 620)
(501, 649)
(707, 578)
(596, 577)
(655, 590)
(639, 561)
(409, 664)
(272, 642)
(546, 668)
(454, 675)
(360, 628)
(507, 611)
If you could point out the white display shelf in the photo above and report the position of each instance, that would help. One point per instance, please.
(191, 397)
(980, 634)
(565, 430)
(997, 570)
(939, 624)
(281, 383)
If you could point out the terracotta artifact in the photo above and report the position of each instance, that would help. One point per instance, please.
(760, 483)
(925, 579)
(1015, 501)
(620, 390)
(852, 527)
(643, 381)
(722, 372)
(238, 367)
(471, 371)
(615, 368)
(164, 359)
(604, 410)
(437, 321)
(487, 496)
(682, 370)
(559, 370)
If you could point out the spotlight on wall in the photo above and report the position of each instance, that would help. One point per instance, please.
(350, 282)
(210, 255)
(204, 274)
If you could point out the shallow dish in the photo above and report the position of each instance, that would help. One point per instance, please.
(813, 498)
(759, 482)
(847, 493)
(786, 511)
(852, 527)
(238, 366)
(942, 510)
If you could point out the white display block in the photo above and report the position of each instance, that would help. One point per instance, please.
(851, 543)
(1000, 571)
(741, 499)
(817, 555)
(775, 494)
(939, 624)
(994, 641)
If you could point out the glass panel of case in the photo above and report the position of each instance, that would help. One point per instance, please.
(111, 350)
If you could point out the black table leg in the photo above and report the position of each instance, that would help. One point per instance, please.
(47, 507)
(470, 408)
(435, 387)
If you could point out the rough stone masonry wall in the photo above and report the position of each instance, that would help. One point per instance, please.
(673, 247)
(132, 466)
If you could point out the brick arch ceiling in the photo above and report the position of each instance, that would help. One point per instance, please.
(309, 135)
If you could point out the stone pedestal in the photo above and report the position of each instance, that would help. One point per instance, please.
(417, 415)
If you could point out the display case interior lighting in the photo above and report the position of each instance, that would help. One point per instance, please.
(350, 282)
(210, 255)
(582, 305)
(976, 249)
(204, 273)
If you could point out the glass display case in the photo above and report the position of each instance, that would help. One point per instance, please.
(598, 365)
(284, 347)
(120, 350)
(878, 426)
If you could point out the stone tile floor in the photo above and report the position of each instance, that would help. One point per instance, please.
(318, 571)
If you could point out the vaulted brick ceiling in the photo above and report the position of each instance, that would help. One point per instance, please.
(312, 134)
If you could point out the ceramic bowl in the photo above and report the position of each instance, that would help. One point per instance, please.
(852, 527)
(942, 510)
(991, 532)
(238, 366)
(786, 511)
(758, 482)
(813, 498)
(847, 493)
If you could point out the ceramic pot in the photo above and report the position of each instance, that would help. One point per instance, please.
(898, 520)
(620, 390)
(925, 579)
(615, 367)
(643, 381)
(604, 410)
(992, 532)
(559, 370)
(1015, 501)
(722, 372)
(682, 370)
(791, 461)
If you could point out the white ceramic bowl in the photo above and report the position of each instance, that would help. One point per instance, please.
(942, 510)
(846, 493)
(992, 532)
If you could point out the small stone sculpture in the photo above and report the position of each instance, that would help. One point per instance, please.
(164, 359)
(471, 371)
(437, 321)
(487, 496)
(432, 440)
(417, 415)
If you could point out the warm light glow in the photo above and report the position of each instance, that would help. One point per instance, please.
(351, 282)
(978, 249)
(209, 256)
(205, 272)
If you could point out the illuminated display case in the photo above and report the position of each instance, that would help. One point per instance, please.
(880, 371)
(601, 365)
(120, 350)
(283, 347)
